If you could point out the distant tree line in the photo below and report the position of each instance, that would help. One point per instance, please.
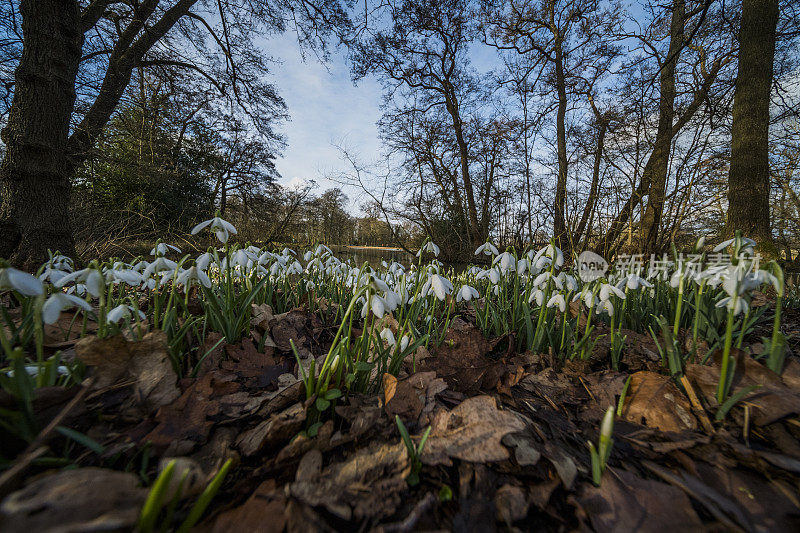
(606, 126)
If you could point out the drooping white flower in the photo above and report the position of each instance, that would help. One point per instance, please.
(160, 264)
(126, 275)
(388, 336)
(466, 293)
(221, 228)
(522, 266)
(440, 286)
(58, 302)
(121, 312)
(606, 290)
(536, 295)
(191, 274)
(377, 305)
(404, 342)
(568, 281)
(429, 247)
(506, 261)
(741, 305)
(557, 300)
(22, 282)
(605, 306)
(163, 248)
(487, 248)
(89, 277)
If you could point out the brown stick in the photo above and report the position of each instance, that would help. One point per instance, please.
(696, 406)
(38, 447)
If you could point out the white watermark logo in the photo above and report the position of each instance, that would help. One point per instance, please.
(591, 266)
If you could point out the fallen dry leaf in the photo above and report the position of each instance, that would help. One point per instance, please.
(278, 429)
(186, 422)
(653, 400)
(368, 484)
(472, 431)
(625, 502)
(772, 401)
(145, 362)
(409, 397)
(84, 499)
(263, 511)
(462, 361)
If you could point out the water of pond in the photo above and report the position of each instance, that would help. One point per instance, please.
(360, 254)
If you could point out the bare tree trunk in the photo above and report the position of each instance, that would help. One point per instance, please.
(475, 233)
(651, 219)
(34, 177)
(748, 181)
(559, 225)
(591, 201)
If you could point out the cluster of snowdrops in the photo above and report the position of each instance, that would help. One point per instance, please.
(383, 313)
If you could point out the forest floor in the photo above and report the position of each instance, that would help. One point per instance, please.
(507, 448)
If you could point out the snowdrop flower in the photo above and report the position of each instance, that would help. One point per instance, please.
(538, 296)
(295, 268)
(589, 299)
(221, 228)
(52, 274)
(551, 252)
(466, 293)
(522, 266)
(392, 300)
(126, 275)
(388, 336)
(541, 280)
(22, 282)
(404, 342)
(429, 246)
(568, 281)
(186, 277)
(89, 277)
(741, 305)
(377, 305)
(163, 248)
(239, 258)
(557, 300)
(487, 248)
(287, 252)
(633, 282)
(160, 264)
(58, 302)
(506, 260)
(607, 306)
(440, 286)
(747, 245)
(121, 312)
(606, 290)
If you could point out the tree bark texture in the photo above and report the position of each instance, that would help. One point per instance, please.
(748, 180)
(34, 177)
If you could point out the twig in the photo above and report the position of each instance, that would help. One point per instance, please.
(696, 406)
(411, 520)
(38, 446)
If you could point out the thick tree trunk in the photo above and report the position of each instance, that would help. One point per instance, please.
(559, 206)
(34, 177)
(659, 160)
(591, 201)
(475, 233)
(748, 181)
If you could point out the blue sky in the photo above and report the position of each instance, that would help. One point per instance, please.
(325, 109)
